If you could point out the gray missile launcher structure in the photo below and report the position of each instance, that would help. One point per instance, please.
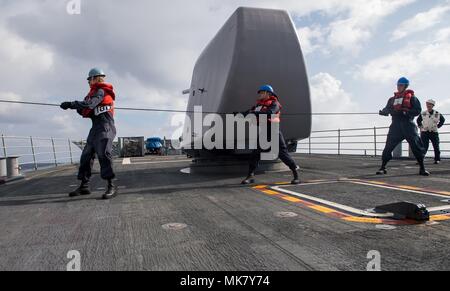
(254, 47)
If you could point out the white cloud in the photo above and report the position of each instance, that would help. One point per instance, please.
(412, 60)
(20, 120)
(14, 113)
(8, 109)
(328, 95)
(64, 124)
(443, 35)
(21, 61)
(325, 90)
(443, 106)
(311, 39)
(148, 49)
(421, 21)
(350, 34)
(353, 27)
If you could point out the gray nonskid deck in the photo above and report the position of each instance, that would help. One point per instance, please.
(228, 226)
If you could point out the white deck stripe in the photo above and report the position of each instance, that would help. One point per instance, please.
(399, 189)
(334, 204)
(439, 208)
(161, 162)
(126, 161)
(313, 183)
(355, 210)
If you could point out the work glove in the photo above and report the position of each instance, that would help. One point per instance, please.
(382, 113)
(66, 105)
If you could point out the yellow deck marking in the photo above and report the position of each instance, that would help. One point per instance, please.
(283, 183)
(357, 219)
(439, 217)
(270, 192)
(410, 188)
(317, 181)
(363, 219)
(291, 199)
(442, 193)
(406, 187)
(373, 182)
(322, 209)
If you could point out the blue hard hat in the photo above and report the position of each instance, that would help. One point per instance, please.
(403, 81)
(266, 88)
(96, 72)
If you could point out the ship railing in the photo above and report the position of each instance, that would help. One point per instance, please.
(44, 152)
(362, 141)
(40, 152)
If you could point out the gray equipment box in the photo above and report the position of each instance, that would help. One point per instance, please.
(131, 147)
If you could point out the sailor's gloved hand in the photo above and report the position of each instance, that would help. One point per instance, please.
(66, 105)
(382, 113)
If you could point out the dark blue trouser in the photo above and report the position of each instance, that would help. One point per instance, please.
(434, 138)
(100, 143)
(283, 154)
(398, 132)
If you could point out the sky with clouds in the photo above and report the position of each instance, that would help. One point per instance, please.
(355, 51)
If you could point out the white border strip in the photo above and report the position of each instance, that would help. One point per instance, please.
(399, 189)
(127, 161)
(356, 210)
(161, 162)
(439, 208)
(334, 204)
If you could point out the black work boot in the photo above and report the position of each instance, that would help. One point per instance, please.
(249, 180)
(82, 190)
(111, 191)
(382, 170)
(437, 162)
(296, 180)
(423, 171)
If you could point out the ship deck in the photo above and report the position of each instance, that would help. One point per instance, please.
(165, 219)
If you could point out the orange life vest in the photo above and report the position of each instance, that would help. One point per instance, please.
(264, 105)
(402, 101)
(107, 105)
